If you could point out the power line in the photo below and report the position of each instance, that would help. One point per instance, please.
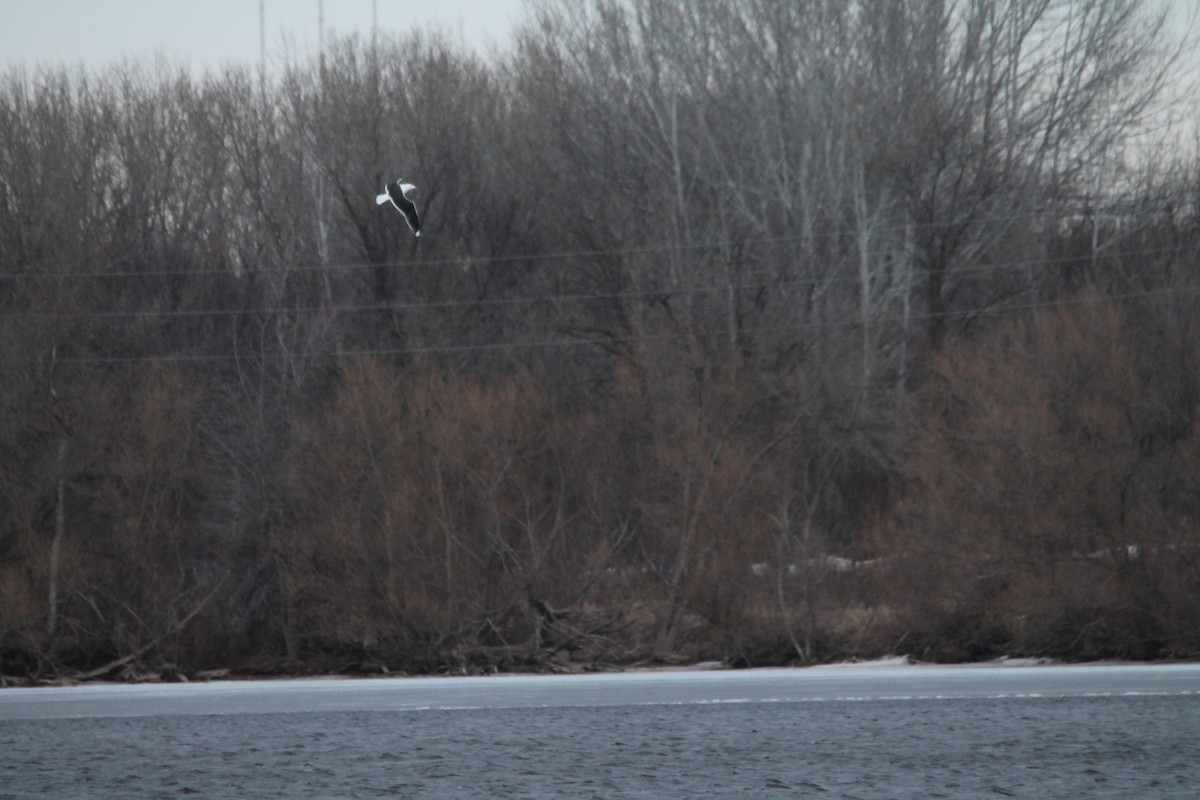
(575, 297)
(471, 261)
(807, 325)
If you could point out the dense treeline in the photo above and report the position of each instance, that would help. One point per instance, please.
(766, 332)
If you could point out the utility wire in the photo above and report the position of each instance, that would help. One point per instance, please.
(585, 341)
(577, 297)
(472, 261)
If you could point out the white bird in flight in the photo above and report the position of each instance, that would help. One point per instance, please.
(395, 193)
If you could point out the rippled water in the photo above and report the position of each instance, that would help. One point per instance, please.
(1143, 746)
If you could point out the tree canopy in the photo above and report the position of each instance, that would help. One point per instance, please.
(761, 331)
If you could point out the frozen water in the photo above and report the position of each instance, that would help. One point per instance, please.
(849, 731)
(872, 681)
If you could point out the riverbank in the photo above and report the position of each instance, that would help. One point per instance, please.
(134, 675)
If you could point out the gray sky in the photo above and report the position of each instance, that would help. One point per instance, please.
(211, 33)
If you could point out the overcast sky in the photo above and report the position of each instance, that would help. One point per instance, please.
(211, 33)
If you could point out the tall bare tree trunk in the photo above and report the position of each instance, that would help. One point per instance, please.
(60, 530)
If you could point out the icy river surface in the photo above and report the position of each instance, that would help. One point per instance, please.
(869, 731)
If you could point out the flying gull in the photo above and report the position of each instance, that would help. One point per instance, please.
(394, 192)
